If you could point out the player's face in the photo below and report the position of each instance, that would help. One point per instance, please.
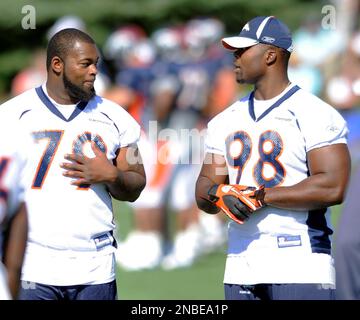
(80, 69)
(249, 64)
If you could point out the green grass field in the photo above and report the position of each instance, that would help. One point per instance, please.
(202, 281)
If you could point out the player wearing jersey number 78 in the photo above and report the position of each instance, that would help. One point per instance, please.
(275, 161)
(85, 154)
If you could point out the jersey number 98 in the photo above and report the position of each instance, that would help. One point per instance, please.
(238, 152)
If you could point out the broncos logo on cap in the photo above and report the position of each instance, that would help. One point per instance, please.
(246, 27)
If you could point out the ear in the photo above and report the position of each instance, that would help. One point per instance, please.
(57, 65)
(271, 56)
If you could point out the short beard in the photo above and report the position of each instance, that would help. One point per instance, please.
(75, 92)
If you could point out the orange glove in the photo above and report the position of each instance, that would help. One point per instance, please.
(237, 201)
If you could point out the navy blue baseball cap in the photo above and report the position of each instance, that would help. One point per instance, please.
(267, 30)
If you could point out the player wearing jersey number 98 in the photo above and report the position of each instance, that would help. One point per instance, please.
(292, 148)
(86, 153)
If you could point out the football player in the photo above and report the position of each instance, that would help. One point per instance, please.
(86, 153)
(276, 160)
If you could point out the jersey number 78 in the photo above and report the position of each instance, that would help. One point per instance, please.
(54, 139)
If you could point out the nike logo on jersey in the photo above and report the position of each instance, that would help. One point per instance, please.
(332, 129)
(101, 121)
(283, 119)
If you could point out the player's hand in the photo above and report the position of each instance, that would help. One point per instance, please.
(86, 171)
(237, 201)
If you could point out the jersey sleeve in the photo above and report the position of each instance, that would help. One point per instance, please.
(214, 143)
(131, 132)
(323, 126)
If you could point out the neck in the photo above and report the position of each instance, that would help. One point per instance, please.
(59, 94)
(271, 87)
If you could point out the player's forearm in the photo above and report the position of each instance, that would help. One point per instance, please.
(203, 185)
(14, 282)
(312, 193)
(126, 185)
(15, 249)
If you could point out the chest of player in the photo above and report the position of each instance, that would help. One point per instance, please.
(74, 136)
(269, 151)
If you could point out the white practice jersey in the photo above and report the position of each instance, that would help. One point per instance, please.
(12, 162)
(277, 245)
(65, 220)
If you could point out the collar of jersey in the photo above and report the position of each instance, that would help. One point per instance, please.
(286, 96)
(46, 101)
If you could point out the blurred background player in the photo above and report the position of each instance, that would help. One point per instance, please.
(130, 68)
(133, 56)
(196, 66)
(165, 80)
